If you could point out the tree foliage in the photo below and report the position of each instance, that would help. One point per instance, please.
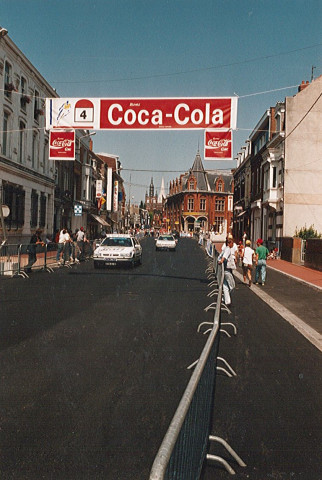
(306, 233)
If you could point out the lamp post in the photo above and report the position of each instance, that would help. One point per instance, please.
(83, 136)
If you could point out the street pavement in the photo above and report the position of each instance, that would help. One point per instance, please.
(271, 412)
(93, 366)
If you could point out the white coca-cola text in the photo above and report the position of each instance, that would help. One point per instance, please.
(61, 143)
(182, 115)
(218, 143)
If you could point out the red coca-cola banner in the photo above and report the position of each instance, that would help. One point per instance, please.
(61, 145)
(166, 113)
(218, 145)
(141, 113)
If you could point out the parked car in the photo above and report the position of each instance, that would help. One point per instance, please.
(165, 242)
(118, 249)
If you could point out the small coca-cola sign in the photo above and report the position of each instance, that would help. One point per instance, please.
(62, 145)
(218, 145)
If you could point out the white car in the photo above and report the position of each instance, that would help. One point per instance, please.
(117, 249)
(165, 242)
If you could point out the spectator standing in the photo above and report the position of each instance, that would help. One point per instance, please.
(61, 245)
(32, 249)
(261, 256)
(244, 238)
(248, 258)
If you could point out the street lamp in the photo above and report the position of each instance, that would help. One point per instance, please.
(83, 136)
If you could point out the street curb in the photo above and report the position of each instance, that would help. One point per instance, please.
(309, 333)
(295, 278)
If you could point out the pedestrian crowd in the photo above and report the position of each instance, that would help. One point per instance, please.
(242, 255)
(71, 246)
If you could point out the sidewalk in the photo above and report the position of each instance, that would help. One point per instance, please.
(294, 292)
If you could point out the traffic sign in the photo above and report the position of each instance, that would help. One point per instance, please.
(78, 210)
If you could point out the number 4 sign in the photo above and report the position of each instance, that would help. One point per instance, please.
(84, 111)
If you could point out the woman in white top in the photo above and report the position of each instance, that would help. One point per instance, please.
(227, 258)
(248, 262)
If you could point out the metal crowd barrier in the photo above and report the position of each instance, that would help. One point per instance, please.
(21, 259)
(9, 259)
(183, 451)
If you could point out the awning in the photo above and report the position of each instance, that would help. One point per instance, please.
(100, 220)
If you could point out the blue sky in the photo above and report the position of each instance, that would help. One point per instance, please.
(169, 48)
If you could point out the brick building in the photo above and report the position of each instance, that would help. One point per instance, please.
(200, 200)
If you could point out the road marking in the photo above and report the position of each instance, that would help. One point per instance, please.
(309, 333)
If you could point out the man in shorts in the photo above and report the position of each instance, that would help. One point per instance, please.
(248, 258)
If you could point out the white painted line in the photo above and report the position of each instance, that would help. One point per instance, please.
(308, 332)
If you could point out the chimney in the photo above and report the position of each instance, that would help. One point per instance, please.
(303, 85)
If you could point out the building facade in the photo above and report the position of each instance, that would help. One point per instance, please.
(114, 208)
(27, 179)
(41, 193)
(279, 173)
(201, 200)
(154, 205)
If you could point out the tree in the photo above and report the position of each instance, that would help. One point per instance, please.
(306, 233)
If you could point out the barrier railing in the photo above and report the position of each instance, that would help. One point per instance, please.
(183, 451)
(9, 259)
(21, 259)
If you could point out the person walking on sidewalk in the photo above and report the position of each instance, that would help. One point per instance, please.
(227, 258)
(261, 256)
(241, 249)
(80, 238)
(248, 258)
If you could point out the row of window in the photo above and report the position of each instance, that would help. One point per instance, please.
(22, 144)
(14, 197)
(9, 87)
(192, 186)
(219, 205)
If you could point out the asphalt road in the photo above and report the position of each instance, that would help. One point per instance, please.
(271, 412)
(93, 365)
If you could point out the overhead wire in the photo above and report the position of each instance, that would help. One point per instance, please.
(195, 70)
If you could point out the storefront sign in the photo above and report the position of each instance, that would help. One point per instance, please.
(115, 196)
(141, 113)
(99, 188)
(109, 189)
(61, 145)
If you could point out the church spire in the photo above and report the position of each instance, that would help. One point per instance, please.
(151, 190)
